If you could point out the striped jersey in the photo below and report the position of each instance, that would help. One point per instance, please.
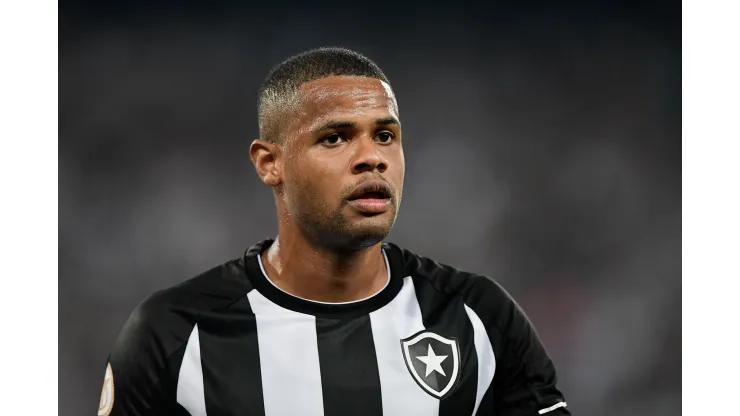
(435, 341)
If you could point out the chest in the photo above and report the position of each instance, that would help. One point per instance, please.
(389, 362)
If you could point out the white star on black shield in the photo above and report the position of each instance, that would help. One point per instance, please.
(433, 361)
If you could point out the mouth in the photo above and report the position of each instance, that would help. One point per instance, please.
(372, 197)
(371, 190)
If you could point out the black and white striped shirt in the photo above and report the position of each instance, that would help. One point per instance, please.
(434, 341)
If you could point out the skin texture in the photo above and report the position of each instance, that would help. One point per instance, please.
(342, 132)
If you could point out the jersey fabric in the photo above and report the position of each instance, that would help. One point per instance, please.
(435, 341)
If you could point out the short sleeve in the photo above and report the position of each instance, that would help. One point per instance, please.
(525, 382)
(135, 375)
(143, 369)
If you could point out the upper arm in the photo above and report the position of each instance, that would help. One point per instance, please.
(136, 380)
(525, 380)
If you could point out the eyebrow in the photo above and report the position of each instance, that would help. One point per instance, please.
(331, 125)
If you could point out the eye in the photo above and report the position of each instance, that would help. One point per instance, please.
(332, 139)
(385, 136)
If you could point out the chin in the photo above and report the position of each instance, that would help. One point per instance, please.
(365, 241)
(361, 236)
(351, 232)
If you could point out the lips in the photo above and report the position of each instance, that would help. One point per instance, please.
(371, 198)
(374, 189)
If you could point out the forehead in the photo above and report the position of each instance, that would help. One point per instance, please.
(347, 97)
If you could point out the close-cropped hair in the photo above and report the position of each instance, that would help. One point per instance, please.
(280, 88)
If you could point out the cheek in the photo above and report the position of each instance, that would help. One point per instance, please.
(326, 168)
(398, 160)
(398, 173)
(315, 179)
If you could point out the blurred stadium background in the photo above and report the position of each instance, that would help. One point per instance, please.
(542, 143)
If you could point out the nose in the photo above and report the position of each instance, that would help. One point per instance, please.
(368, 157)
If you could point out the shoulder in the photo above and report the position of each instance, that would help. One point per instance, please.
(483, 295)
(212, 289)
(169, 315)
(450, 280)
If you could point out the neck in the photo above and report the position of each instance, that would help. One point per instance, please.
(302, 269)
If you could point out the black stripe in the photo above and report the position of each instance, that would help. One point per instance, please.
(349, 368)
(169, 384)
(444, 314)
(229, 354)
(179, 410)
(486, 404)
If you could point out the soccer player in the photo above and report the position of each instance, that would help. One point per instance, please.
(327, 318)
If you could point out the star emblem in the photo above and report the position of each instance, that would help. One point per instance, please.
(433, 362)
(422, 367)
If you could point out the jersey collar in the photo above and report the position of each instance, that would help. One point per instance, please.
(260, 282)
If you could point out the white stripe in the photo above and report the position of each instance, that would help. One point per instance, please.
(289, 359)
(190, 393)
(397, 320)
(486, 358)
(553, 407)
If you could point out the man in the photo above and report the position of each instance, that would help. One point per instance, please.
(327, 319)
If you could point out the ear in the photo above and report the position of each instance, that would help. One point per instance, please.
(264, 156)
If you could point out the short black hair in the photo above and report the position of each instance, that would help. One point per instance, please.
(284, 80)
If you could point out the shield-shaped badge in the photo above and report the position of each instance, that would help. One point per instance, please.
(433, 361)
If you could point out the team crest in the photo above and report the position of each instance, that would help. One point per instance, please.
(433, 361)
(106, 396)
